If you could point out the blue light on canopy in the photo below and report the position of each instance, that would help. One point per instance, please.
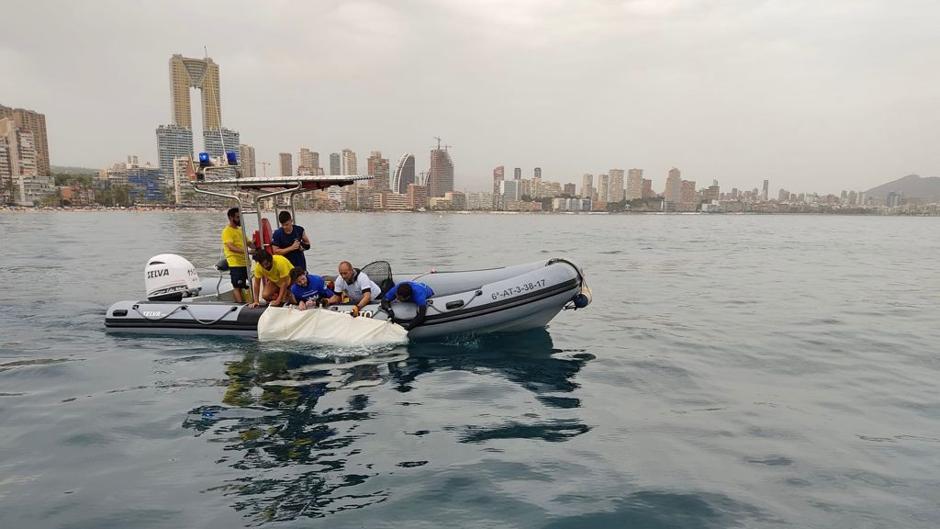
(204, 160)
(231, 157)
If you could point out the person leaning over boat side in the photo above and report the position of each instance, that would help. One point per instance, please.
(290, 241)
(413, 291)
(276, 270)
(309, 290)
(357, 285)
(233, 246)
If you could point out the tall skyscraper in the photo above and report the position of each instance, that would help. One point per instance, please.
(571, 190)
(499, 174)
(203, 74)
(17, 161)
(537, 172)
(35, 123)
(615, 192)
(309, 162)
(603, 188)
(687, 200)
(246, 159)
(173, 141)
(350, 166)
(673, 193)
(335, 164)
(377, 168)
(634, 184)
(765, 191)
(441, 172)
(647, 189)
(404, 173)
(517, 173)
(287, 164)
(587, 186)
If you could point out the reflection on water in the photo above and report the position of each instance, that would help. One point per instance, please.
(295, 451)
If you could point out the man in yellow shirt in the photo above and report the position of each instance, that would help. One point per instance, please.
(233, 246)
(275, 269)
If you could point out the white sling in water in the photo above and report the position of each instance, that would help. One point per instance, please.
(327, 327)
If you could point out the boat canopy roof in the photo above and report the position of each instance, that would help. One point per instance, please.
(306, 182)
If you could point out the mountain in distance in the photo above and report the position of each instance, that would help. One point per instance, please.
(69, 170)
(910, 186)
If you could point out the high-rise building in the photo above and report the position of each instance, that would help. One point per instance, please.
(417, 196)
(499, 174)
(647, 191)
(286, 164)
(510, 192)
(673, 192)
(687, 200)
(219, 141)
(17, 163)
(634, 184)
(35, 123)
(571, 190)
(603, 188)
(173, 141)
(378, 169)
(203, 74)
(404, 173)
(350, 166)
(615, 191)
(335, 164)
(517, 173)
(441, 172)
(537, 172)
(309, 162)
(246, 160)
(765, 191)
(587, 186)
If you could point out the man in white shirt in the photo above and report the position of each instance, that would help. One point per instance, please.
(357, 285)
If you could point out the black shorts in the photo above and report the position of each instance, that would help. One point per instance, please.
(239, 275)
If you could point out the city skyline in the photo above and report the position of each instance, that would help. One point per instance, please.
(776, 94)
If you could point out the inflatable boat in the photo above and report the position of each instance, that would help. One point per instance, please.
(508, 299)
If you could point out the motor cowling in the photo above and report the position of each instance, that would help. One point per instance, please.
(169, 277)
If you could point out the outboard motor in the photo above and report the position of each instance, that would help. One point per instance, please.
(169, 277)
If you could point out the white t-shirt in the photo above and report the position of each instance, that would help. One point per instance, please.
(354, 290)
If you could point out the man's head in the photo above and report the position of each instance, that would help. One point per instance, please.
(404, 292)
(298, 276)
(234, 217)
(346, 271)
(264, 259)
(285, 220)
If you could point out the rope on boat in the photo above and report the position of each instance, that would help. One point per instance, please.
(191, 315)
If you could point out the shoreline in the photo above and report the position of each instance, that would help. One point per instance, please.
(200, 209)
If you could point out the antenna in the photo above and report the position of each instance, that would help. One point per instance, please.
(438, 142)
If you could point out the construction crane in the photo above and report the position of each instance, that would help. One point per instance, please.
(439, 143)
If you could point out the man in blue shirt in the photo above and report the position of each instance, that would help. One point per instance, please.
(413, 292)
(308, 289)
(290, 241)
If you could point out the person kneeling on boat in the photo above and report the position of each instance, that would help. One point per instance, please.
(409, 291)
(275, 269)
(309, 290)
(357, 285)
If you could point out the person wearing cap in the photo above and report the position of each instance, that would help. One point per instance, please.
(308, 290)
(410, 292)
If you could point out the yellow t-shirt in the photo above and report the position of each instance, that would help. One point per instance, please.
(280, 269)
(234, 237)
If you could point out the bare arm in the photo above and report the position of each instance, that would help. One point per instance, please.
(366, 299)
(255, 291)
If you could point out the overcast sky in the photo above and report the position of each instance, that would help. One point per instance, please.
(814, 95)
